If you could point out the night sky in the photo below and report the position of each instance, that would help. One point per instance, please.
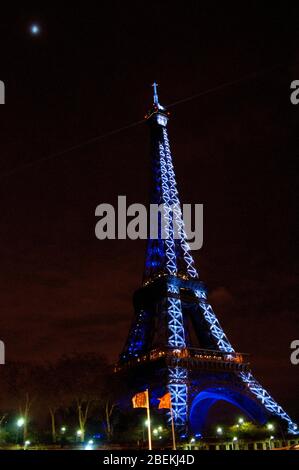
(235, 150)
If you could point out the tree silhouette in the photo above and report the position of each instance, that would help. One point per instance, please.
(20, 384)
(82, 381)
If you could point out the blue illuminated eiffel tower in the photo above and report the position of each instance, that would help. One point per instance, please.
(176, 342)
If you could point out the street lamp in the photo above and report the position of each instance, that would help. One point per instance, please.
(20, 422)
(89, 445)
(63, 429)
(192, 441)
(271, 439)
(79, 432)
(241, 421)
(270, 426)
(155, 432)
(219, 430)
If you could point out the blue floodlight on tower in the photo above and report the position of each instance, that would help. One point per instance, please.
(156, 99)
(172, 302)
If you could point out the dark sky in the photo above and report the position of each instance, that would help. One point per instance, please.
(235, 151)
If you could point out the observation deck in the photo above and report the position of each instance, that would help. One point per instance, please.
(191, 358)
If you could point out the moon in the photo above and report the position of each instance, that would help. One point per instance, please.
(34, 29)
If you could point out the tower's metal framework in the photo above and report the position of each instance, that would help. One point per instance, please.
(173, 299)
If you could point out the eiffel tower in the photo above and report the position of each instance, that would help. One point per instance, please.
(176, 342)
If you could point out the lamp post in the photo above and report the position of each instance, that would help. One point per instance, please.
(192, 441)
(20, 423)
(26, 444)
(62, 436)
(79, 435)
(270, 442)
(89, 445)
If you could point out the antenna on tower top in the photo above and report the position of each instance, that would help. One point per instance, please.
(156, 99)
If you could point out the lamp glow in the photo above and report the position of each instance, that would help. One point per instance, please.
(89, 445)
(20, 422)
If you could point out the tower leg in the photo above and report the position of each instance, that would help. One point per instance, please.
(178, 388)
(267, 401)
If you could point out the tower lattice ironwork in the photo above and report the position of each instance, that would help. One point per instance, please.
(176, 341)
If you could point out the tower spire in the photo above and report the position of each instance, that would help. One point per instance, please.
(168, 255)
(156, 98)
